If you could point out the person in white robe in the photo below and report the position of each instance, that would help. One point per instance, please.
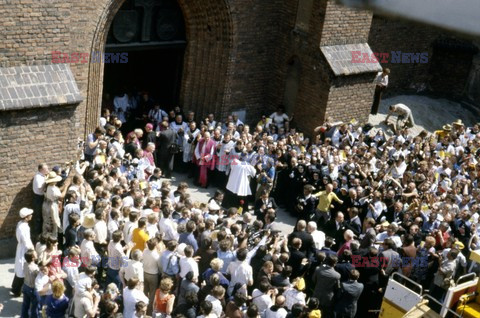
(122, 104)
(239, 180)
(24, 244)
(188, 141)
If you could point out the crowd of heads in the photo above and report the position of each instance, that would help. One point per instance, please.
(403, 196)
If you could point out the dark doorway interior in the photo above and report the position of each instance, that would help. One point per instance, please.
(152, 34)
(157, 71)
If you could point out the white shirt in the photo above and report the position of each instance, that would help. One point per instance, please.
(240, 272)
(382, 236)
(318, 239)
(116, 255)
(278, 120)
(84, 283)
(40, 281)
(379, 80)
(39, 184)
(292, 297)
(152, 230)
(377, 210)
(134, 269)
(151, 262)
(263, 301)
(130, 298)
(112, 226)
(88, 252)
(67, 210)
(280, 313)
(82, 305)
(188, 264)
(167, 227)
(216, 305)
(101, 231)
(71, 269)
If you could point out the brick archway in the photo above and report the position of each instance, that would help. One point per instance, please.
(207, 64)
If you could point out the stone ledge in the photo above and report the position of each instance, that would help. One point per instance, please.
(37, 86)
(339, 58)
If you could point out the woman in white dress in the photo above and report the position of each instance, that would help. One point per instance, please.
(24, 244)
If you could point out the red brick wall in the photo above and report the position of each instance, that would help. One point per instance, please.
(30, 137)
(321, 94)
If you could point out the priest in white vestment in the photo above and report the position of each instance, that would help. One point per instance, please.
(239, 180)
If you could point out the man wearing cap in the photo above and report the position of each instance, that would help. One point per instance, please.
(39, 188)
(24, 243)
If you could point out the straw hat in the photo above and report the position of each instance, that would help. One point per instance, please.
(88, 221)
(458, 122)
(52, 177)
(447, 127)
(24, 212)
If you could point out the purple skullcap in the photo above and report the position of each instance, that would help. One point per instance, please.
(149, 126)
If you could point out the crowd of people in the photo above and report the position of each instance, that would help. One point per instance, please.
(113, 237)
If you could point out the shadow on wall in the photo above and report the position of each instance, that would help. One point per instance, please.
(23, 198)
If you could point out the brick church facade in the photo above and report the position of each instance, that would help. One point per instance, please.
(244, 55)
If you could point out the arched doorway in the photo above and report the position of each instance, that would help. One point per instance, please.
(152, 33)
(203, 73)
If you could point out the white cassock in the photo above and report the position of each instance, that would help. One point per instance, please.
(24, 244)
(238, 181)
(187, 147)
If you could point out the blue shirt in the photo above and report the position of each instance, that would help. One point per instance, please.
(170, 265)
(188, 239)
(56, 308)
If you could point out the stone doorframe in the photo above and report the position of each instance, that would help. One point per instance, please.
(207, 64)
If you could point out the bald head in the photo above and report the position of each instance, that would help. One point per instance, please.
(280, 301)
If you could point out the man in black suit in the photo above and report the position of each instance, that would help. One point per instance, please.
(308, 246)
(165, 152)
(335, 228)
(350, 291)
(354, 222)
(263, 204)
(327, 249)
(298, 259)
(306, 205)
(344, 266)
(327, 283)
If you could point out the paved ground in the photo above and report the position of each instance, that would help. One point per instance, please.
(429, 113)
